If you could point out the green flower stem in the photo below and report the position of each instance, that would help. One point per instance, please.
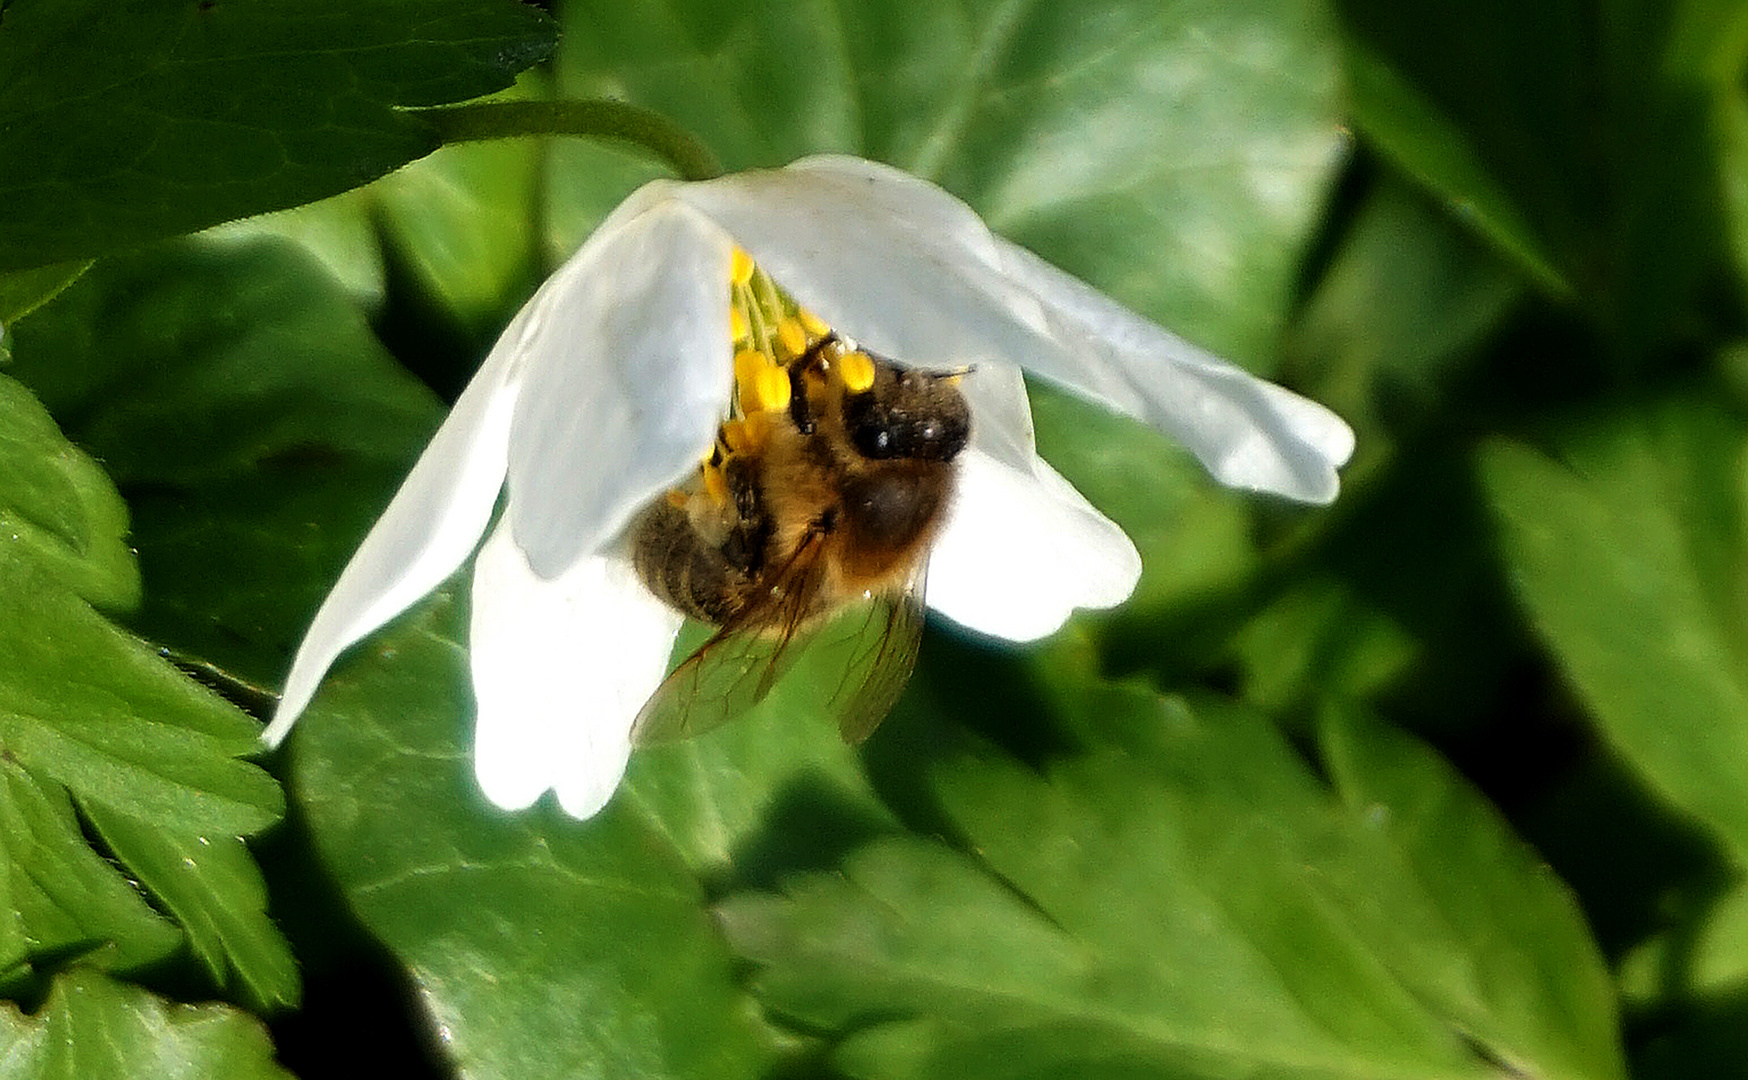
(592, 119)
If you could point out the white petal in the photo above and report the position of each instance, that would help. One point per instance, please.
(560, 669)
(892, 261)
(628, 373)
(1248, 432)
(908, 270)
(432, 523)
(1021, 550)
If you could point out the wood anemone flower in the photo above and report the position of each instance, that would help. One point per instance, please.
(614, 381)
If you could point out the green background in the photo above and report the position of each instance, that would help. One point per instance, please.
(1447, 780)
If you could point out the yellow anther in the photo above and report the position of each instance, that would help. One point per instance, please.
(760, 383)
(740, 267)
(813, 324)
(738, 329)
(857, 371)
(773, 388)
(791, 337)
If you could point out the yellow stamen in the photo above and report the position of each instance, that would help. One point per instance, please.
(759, 383)
(738, 328)
(857, 371)
(740, 267)
(773, 388)
(791, 338)
(813, 324)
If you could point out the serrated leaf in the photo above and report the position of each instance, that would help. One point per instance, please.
(90, 712)
(91, 1026)
(58, 510)
(1627, 551)
(60, 897)
(131, 124)
(1189, 902)
(211, 886)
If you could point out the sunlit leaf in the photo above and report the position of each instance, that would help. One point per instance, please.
(1194, 903)
(59, 511)
(91, 1026)
(539, 945)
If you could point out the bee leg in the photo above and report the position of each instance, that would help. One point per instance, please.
(685, 571)
(747, 540)
(800, 412)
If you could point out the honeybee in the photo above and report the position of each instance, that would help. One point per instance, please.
(816, 523)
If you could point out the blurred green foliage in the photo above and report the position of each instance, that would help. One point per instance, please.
(1447, 780)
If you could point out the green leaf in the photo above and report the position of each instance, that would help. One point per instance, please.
(59, 510)
(1189, 901)
(1431, 147)
(1498, 109)
(211, 886)
(1173, 155)
(59, 896)
(1466, 914)
(91, 1026)
(1406, 302)
(130, 124)
(1627, 549)
(540, 945)
(256, 424)
(89, 711)
(23, 291)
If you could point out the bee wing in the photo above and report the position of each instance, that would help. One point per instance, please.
(886, 645)
(874, 644)
(737, 666)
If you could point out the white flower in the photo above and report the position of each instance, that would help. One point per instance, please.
(609, 385)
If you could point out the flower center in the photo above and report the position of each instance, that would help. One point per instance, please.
(787, 361)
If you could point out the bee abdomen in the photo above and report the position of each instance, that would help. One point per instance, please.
(684, 571)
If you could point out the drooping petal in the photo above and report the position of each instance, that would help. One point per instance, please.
(560, 669)
(894, 262)
(628, 374)
(1021, 550)
(1248, 432)
(432, 523)
(906, 269)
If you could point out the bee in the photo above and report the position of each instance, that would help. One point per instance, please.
(811, 520)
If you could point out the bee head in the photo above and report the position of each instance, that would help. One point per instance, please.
(909, 414)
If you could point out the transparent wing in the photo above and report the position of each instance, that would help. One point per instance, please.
(737, 666)
(864, 653)
(884, 650)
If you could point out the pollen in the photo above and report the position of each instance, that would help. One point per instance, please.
(857, 371)
(740, 268)
(791, 338)
(815, 326)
